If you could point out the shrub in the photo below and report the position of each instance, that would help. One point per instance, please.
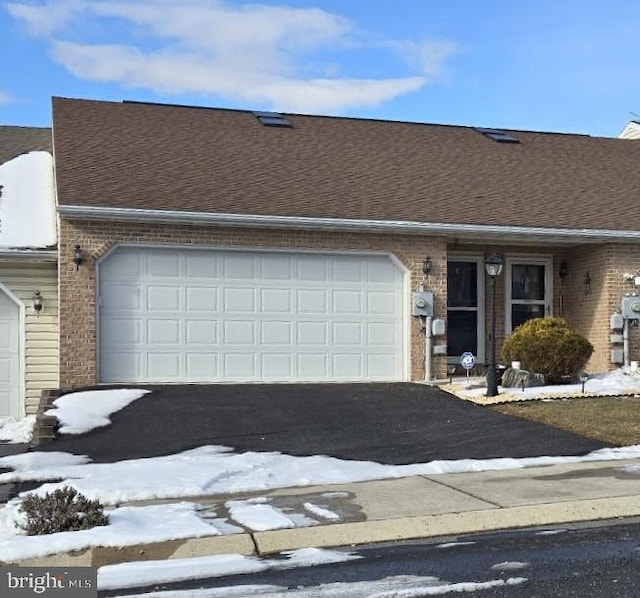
(549, 347)
(63, 510)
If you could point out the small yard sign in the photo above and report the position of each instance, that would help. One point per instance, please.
(467, 361)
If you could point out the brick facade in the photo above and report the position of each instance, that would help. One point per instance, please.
(77, 287)
(586, 307)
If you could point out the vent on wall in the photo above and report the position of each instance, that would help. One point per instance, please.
(272, 119)
(498, 135)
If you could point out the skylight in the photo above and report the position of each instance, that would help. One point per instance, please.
(272, 119)
(498, 135)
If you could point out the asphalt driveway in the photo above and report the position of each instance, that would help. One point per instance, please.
(389, 423)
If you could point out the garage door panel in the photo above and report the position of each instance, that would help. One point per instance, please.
(240, 332)
(203, 299)
(313, 366)
(276, 267)
(276, 333)
(226, 315)
(312, 302)
(277, 366)
(276, 301)
(347, 365)
(312, 333)
(121, 298)
(382, 334)
(347, 333)
(163, 298)
(10, 372)
(239, 266)
(204, 332)
(312, 268)
(201, 266)
(347, 303)
(122, 367)
(163, 365)
(163, 332)
(122, 332)
(239, 300)
(240, 366)
(348, 270)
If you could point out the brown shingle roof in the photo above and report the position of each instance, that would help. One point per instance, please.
(148, 156)
(15, 141)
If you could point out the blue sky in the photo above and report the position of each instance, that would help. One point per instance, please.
(553, 65)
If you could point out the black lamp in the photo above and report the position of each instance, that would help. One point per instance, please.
(426, 266)
(493, 266)
(37, 302)
(77, 256)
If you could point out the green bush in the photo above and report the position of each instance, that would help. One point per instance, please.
(549, 347)
(63, 510)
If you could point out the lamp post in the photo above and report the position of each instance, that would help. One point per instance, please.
(493, 266)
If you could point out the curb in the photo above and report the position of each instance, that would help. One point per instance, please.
(349, 534)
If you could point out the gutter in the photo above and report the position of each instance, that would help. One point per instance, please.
(42, 255)
(346, 224)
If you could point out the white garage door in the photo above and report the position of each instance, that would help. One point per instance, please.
(186, 315)
(9, 358)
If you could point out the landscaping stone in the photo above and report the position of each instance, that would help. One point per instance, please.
(521, 378)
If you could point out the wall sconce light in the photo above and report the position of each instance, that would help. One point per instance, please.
(587, 283)
(77, 256)
(426, 266)
(37, 302)
(563, 271)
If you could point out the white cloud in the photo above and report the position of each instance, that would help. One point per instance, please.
(241, 52)
(5, 98)
(45, 19)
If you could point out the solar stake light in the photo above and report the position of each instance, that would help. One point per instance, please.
(583, 379)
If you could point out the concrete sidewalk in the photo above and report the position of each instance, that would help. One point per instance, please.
(405, 509)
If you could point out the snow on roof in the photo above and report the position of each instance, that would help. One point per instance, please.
(27, 202)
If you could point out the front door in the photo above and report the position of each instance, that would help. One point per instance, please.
(529, 293)
(465, 315)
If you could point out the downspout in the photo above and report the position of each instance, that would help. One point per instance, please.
(428, 348)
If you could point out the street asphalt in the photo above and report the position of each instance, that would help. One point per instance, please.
(395, 424)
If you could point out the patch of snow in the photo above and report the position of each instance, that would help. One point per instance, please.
(401, 586)
(509, 566)
(17, 432)
(256, 515)
(454, 544)
(622, 381)
(127, 526)
(214, 470)
(136, 574)
(27, 205)
(80, 412)
(321, 512)
(550, 532)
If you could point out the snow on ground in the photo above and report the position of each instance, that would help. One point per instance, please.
(623, 381)
(401, 586)
(16, 432)
(256, 514)
(27, 205)
(138, 574)
(212, 470)
(127, 526)
(80, 412)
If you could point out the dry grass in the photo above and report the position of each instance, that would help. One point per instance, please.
(615, 421)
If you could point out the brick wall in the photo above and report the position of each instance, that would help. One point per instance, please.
(77, 287)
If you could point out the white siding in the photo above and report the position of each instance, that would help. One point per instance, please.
(41, 331)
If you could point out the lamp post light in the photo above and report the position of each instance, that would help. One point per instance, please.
(493, 266)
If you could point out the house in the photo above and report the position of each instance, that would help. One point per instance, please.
(203, 245)
(28, 273)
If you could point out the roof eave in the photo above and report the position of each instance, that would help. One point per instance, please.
(466, 232)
